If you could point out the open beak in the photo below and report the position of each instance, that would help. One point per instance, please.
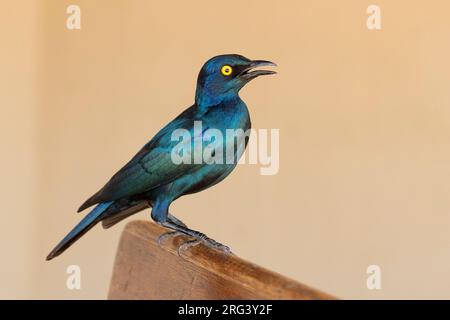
(248, 73)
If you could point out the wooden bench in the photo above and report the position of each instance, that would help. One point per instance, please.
(144, 270)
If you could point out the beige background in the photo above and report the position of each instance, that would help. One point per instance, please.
(364, 119)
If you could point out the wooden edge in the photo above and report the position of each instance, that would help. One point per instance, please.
(228, 266)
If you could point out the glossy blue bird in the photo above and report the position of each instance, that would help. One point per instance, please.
(155, 177)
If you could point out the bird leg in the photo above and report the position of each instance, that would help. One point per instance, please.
(171, 234)
(175, 220)
(198, 237)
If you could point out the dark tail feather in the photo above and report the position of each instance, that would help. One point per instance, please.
(110, 220)
(87, 223)
(91, 201)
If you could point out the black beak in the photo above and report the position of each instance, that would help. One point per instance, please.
(248, 74)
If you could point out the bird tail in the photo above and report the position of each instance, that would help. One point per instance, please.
(115, 217)
(80, 229)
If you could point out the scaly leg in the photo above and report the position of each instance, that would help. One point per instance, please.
(171, 234)
(175, 220)
(199, 237)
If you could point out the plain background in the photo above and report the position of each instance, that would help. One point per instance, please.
(364, 119)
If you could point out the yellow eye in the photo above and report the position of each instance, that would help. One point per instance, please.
(226, 70)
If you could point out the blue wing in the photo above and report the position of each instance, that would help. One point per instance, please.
(151, 167)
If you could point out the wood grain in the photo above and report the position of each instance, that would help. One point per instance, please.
(144, 270)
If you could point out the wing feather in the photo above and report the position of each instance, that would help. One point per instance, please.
(151, 167)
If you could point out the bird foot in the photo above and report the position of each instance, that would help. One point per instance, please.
(188, 244)
(167, 235)
(216, 245)
(206, 241)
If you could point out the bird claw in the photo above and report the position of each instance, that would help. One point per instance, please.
(206, 241)
(166, 235)
(216, 245)
(186, 245)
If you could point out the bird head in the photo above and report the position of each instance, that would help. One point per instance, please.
(222, 77)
